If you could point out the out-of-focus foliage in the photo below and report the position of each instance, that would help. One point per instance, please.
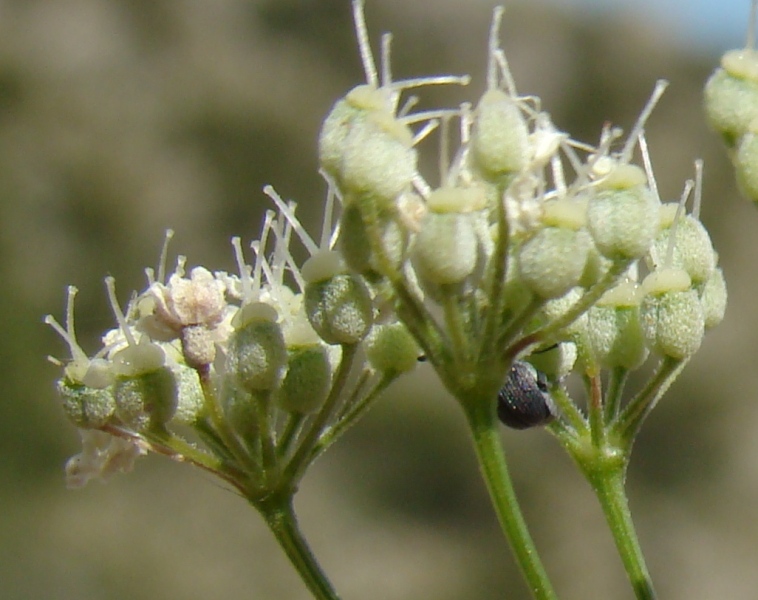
(119, 119)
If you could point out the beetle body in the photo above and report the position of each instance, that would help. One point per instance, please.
(523, 401)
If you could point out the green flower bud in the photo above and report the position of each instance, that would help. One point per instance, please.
(746, 163)
(500, 138)
(557, 362)
(693, 250)
(307, 382)
(552, 261)
(731, 95)
(240, 410)
(623, 216)
(367, 150)
(146, 400)
(614, 331)
(391, 348)
(714, 298)
(339, 309)
(355, 245)
(672, 315)
(190, 397)
(86, 407)
(445, 251)
(256, 353)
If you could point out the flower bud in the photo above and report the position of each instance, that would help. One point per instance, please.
(367, 150)
(714, 299)
(256, 353)
(693, 250)
(731, 95)
(86, 407)
(307, 382)
(556, 362)
(190, 397)
(339, 309)
(614, 331)
(623, 216)
(552, 261)
(445, 250)
(391, 348)
(147, 399)
(672, 315)
(746, 162)
(500, 138)
(355, 244)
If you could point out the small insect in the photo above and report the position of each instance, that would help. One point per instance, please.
(524, 401)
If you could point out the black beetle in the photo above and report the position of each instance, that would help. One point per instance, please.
(524, 401)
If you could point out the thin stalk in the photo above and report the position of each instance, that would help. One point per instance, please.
(609, 488)
(616, 382)
(628, 423)
(221, 424)
(281, 519)
(291, 428)
(489, 451)
(351, 416)
(568, 408)
(595, 412)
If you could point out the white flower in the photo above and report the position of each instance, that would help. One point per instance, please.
(102, 455)
(184, 302)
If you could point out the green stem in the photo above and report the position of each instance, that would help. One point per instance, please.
(484, 428)
(616, 383)
(281, 519)
(609, 488)
(628, 423)
(350, 417)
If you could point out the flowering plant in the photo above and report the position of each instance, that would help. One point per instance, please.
(531, 257)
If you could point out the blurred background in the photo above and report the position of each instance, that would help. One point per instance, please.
(120, 118)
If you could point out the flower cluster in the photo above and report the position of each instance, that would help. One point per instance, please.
(530, 239)
(250, 364)
(731, 103)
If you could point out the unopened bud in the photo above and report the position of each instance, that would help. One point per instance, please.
(693, 251)
(256, 354)
(339, 309)
(500, 139)
(391, 348)
(714, 299)
(672, 318)
(731, 95)
(307, 382)
(146, 400)
(86, 407)
(623, 219)
(552, 261)
(746, 162)
(615, 332)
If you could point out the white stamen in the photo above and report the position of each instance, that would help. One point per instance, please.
(626, 153)
(493, 46)
(385, 59)
(688, 185)
(288, 214)
(244, 270)
(110, 285)
(698, 188)
(364, 46)
(648, 164)
(164, 256)
(68, 334)
(425, 131)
